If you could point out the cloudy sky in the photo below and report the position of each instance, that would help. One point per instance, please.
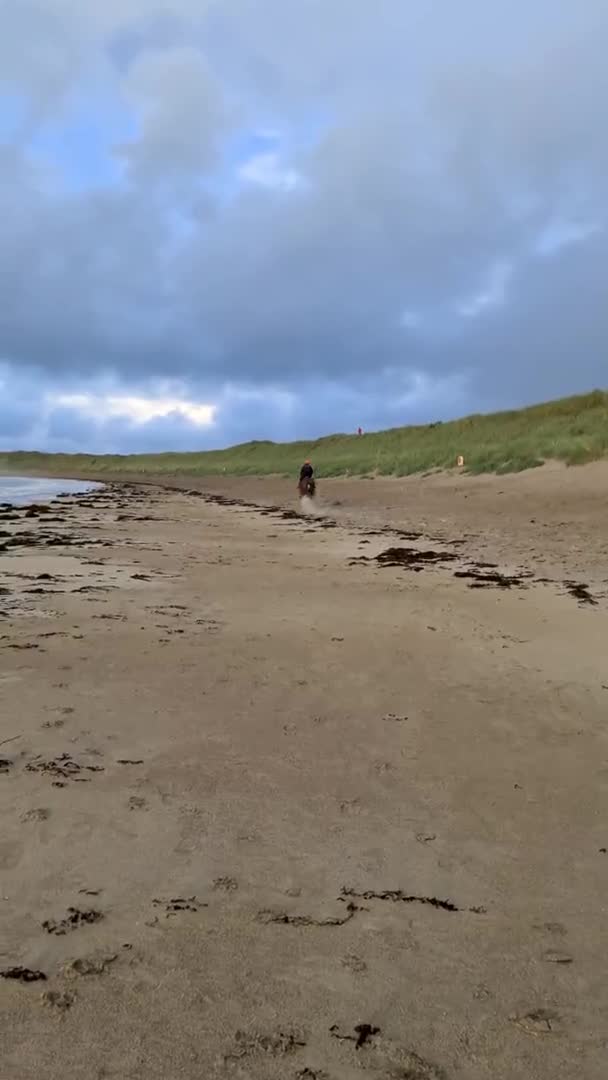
(234, 219)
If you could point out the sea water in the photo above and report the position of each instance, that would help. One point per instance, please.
(23, 490)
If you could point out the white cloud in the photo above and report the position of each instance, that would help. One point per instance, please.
(493, 292)
(137, 410)
(267, 171)
(563, 234)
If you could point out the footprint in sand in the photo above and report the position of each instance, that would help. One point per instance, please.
(383, 767)
(39, 813)
(179, 904)
(90, 965)
(274, 1044)
(354, 963)
(225, 884)
(137, 803)
(11, 852)
(62, 1000)
(538, 1021)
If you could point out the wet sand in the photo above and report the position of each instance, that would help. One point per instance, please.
(296, 798)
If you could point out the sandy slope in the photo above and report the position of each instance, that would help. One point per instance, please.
(294, 797)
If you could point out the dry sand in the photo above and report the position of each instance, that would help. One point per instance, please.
(274, 808)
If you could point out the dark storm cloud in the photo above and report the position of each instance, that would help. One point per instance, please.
(386, 247)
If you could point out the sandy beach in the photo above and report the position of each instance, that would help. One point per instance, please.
(288, 797)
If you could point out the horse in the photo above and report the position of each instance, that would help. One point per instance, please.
(307, 487)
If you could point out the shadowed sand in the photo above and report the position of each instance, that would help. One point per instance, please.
(286, 797)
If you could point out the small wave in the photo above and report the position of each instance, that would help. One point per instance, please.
(22, 490)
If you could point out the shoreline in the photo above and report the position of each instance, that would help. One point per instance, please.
(16, 491)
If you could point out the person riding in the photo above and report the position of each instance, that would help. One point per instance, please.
(306, 483)
(307, 471)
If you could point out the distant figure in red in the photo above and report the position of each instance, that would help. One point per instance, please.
(359, 431)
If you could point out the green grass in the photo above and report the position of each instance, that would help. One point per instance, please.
(573, 430)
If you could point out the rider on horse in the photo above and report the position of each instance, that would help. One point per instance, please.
(306, 472)
(306, 484)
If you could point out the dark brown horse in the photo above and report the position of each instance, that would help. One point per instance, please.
(307, 487)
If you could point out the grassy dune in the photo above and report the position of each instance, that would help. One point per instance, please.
(573, 430)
